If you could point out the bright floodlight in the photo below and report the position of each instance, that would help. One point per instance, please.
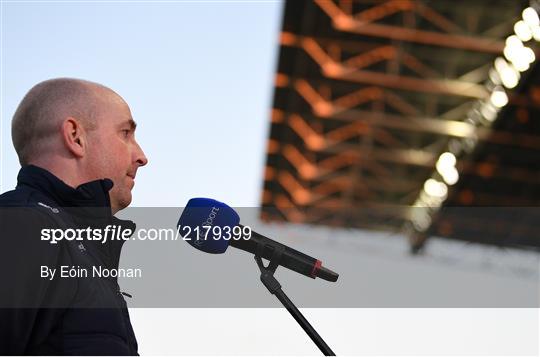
(509, 75)
(498, 97)
(451, 176)
(519, 55)
(513, 42)
(500, 64)
(446, 167)
(435, 188)
(528, 54)
(536, 33)
(521, 63)
(447, 159)
(530, 16)
(523, 31)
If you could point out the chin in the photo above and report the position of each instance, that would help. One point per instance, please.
(122, 201)
(125, 203)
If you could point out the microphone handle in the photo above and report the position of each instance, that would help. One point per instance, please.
(291, 258)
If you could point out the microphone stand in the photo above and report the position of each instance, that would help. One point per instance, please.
(274, 287)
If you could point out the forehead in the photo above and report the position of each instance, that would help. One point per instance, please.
(112, 109)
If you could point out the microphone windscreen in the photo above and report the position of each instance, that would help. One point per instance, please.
(197, 222)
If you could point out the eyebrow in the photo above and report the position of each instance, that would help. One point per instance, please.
(131, 123)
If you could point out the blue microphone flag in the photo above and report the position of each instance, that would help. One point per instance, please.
(198, 220)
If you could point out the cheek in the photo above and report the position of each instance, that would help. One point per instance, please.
(106, 161)
(117, 150)
(119, 162)
(110, 156)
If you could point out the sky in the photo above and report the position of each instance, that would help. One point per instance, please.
(198, 77)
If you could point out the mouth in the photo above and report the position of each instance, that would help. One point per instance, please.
(132, 177)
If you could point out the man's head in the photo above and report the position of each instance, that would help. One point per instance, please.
(80, 131)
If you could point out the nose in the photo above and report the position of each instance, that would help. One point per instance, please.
(140, 157)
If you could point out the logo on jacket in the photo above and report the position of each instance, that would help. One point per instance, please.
(53, 209)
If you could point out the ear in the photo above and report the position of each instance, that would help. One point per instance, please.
(74, 136)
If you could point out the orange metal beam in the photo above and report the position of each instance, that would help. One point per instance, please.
(345, 22)
(438, 86)
(348, 70)
(324, 107)
(452, 128)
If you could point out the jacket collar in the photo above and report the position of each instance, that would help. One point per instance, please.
(88, 204)
(90, 194)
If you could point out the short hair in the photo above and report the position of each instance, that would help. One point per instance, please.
(42, 110)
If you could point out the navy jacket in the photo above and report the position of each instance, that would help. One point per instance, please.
(62, 316)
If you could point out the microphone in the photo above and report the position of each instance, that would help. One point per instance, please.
(202, 216)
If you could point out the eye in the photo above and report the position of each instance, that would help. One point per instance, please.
(126, 132)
